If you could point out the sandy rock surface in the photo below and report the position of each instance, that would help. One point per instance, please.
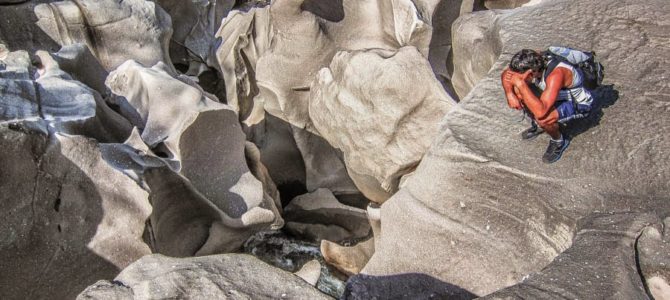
(229, 276)
(482, 203)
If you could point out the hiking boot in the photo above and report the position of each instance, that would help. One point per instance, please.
(555, 150)
(532, 132)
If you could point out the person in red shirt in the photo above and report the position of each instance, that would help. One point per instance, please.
(555, 105)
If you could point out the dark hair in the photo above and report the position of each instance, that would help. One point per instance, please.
(527, 59)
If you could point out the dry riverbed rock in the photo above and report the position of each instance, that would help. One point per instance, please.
(481, 202)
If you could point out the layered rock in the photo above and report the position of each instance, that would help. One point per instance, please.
(364, 105)
(484, 206)
(104, 26)
(229, 276)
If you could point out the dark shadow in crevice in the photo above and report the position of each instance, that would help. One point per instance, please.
(402, 286)
(330, 10)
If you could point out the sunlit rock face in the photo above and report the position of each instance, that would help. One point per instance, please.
(382, 109)
(483, 204)
(104, 26)
(271, 58)
(229, 276)
(206, 170)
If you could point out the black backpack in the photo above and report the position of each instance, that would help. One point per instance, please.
(584, 60)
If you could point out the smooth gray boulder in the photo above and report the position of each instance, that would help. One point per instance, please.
(69, 217)
(104, 26)
(225, 276)
(481, 202)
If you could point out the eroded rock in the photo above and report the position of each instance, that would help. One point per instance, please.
(483, 205)
(383, 123)
(70, 218)
(104, 26)
(319, 216)
(230, 276)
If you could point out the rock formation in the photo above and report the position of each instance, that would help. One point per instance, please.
(483, 205)
(111, 153)
(104, 26)
(229, 276)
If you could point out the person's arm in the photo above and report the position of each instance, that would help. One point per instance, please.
(540, 107)
(510, 91)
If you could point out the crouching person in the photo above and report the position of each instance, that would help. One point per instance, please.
(563, 97)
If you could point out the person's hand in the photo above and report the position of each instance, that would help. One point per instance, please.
(514, 104)
(521, 79)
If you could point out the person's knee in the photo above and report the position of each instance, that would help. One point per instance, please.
(546, 121)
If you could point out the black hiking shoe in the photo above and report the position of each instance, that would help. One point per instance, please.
(532, 132)
(555, 150)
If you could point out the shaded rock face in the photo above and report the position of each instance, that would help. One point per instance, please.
(229, 276)
(483, 205)
(104, 26)
(194, 24)
(69, 218)
(319, 216)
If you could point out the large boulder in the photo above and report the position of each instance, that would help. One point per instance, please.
(225, 276)
(69, 217)
(366, 105)
(104, 26)
(485, 207)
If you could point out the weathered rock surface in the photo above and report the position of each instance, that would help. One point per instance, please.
(319, 216)
(383, 123)
(483, 205)
(47, 96)
(653, 259)
(474, 31)
(69, 218)
(226, 276)
(208, 175)
(105, 27)
(601, 263)
(194, 25)
(270, 56)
